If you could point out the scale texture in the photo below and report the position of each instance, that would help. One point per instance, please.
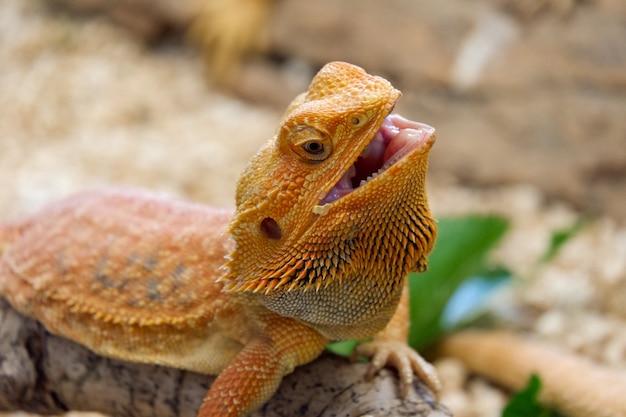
(331, 215)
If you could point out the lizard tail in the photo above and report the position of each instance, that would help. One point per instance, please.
(6, 236)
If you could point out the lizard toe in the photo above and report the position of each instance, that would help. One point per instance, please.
(404, 359)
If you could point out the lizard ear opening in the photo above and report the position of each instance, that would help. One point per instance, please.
(271, 229)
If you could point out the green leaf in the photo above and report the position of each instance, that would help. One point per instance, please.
(344, 348)
(460, 253)
(559, 238)
(525, 403)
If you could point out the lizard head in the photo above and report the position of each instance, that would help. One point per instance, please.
(338, 193)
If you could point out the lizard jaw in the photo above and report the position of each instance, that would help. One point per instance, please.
(396, 138)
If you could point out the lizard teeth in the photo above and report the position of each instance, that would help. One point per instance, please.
(371, 177)
(396, 138)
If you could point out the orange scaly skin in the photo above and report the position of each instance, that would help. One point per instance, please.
(137, 276)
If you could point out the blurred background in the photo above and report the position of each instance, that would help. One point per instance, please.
(528, 98)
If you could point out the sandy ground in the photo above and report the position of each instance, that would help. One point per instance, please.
(83, 104)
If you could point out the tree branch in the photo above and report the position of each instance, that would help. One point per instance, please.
(46, 374)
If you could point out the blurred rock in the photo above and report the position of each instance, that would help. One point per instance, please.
(515, 99)
(529, 91)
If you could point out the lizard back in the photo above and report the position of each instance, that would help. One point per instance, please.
(123, 272)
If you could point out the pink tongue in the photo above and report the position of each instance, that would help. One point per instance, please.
(396, 138)
(343, 187)
(402, 139)
(405, 136)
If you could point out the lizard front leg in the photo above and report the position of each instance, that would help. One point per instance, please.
(389, 347)
(255, 373)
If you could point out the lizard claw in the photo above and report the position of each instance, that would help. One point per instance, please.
(402, 357)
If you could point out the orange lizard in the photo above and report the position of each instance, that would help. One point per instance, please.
(331, 215)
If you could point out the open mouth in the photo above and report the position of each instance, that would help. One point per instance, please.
(396, 138)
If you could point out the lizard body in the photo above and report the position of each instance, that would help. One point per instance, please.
(331, 215)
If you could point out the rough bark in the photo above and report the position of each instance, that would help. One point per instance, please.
(46, 374)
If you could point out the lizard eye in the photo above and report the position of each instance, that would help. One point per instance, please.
(310, 144)
(314, 147)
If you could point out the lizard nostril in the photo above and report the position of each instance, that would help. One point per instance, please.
(271, 229)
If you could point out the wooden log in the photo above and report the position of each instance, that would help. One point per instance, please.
(47, 374)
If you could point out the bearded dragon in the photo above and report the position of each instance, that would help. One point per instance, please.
(331, 215)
